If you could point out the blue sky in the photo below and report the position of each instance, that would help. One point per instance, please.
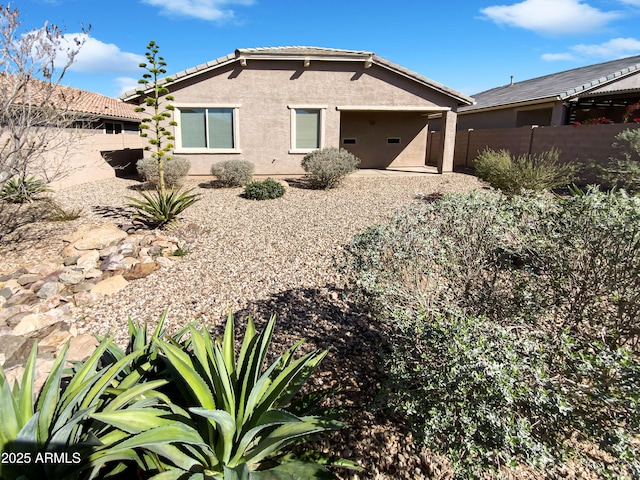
(470, 46)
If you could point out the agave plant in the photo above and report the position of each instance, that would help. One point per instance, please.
(57, 425)
(160, 209)
(234, 424)
(20, 189)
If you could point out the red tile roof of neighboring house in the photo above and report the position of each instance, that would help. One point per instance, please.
(102, 106)
(68, 98)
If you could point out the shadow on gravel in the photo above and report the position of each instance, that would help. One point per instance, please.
(113, 213)
(298, 183)
(378, 441)
(326, 322)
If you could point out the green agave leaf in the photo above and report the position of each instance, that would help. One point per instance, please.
(126, 394)
(228, 345)
(26, 398)
(183, 365)
(50, 395)
(10, 424)
(227, 427)
(135, 420)
(173, 433)
(287, 434)
(266, 421)
(225, 390)
(239, 472)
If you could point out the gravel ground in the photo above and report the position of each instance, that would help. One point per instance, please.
(264, 258)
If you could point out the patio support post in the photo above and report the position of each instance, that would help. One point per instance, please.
(448, 141)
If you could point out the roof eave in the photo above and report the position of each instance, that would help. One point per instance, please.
(502, 106)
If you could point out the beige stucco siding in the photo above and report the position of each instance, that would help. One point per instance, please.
(265, 91)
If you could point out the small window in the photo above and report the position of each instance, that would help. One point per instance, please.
(348, 141)
(394, 140)
(206, 129)
(307, 128)
(112, 128)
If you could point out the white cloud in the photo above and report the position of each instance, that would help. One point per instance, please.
(555, 57)
(95, 56)
(614, 48)
(202, 9)
(550, 16)
(634, 3)
(125, 84)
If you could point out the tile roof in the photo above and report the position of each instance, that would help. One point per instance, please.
(72, 99)
(102, 106)
(311, 53)
(557, 86)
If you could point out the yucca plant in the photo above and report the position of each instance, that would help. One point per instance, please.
(234, 423)
(160, 209)
(21, 189)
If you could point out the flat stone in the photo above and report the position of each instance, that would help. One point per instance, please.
(71, 259)
(112, 262)
(15, 350)
(164, 262)
(48, 290)
(128, 249)
(45, 269)
(100, 237)
(129, 262)
(13, 275)
(71, 277)
(81, 347)
(93, 273)
(7, 313)
(6, 293)
(28, 278)
(83, 287)
(53, 337)
(22, 297)
(110, 285)
(48, 304)
(105, 252)
(86, 299)
(140, 270)
(89, 260)
(13, 320)
(34, 322)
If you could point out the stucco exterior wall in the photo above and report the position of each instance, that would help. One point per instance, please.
(82, 161)
(375, 134)
(264, 91)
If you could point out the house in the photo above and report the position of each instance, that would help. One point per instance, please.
(272, 106)
(74, 136)
(105, 144)
(603, 93)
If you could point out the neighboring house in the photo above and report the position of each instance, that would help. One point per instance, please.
(108, 141)
(74, 136)
(272, 106)
(603, 93)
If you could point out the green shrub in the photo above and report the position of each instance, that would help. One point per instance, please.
(623, 173)
(158, 210)
(263, 190)
(21, 189)
(546, 304)
(233, 173)
(175, 171)
(526, 172)
(327, 167)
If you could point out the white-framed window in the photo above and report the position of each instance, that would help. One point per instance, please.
(207, 128)
(307, 128)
